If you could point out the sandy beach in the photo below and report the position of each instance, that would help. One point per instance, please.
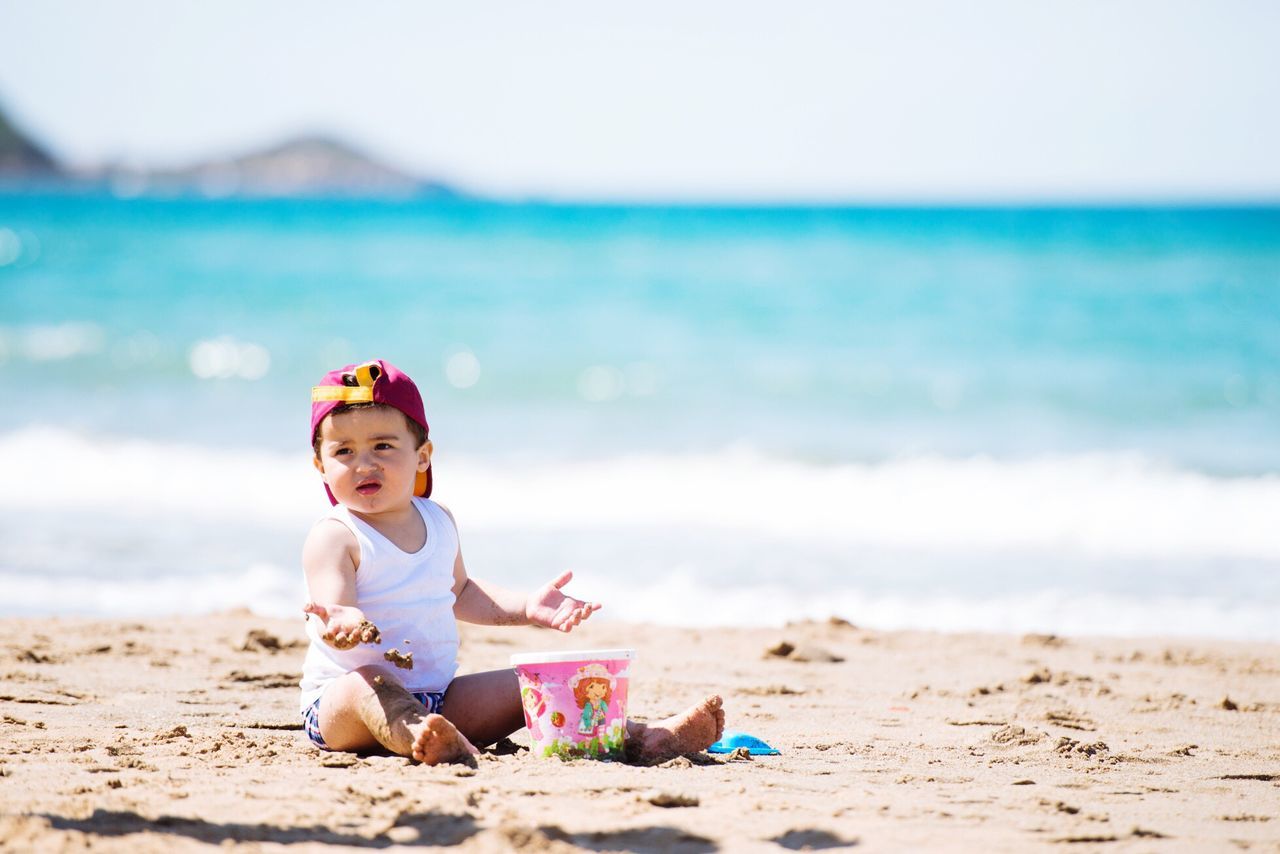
(182, 733)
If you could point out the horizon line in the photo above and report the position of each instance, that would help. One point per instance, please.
(18, 186)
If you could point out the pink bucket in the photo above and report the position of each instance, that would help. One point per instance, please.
(575, 703)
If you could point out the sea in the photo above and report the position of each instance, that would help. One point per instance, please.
(1053, 420)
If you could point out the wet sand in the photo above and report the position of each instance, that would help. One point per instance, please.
(180, 734)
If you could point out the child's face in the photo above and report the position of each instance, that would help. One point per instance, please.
(369, 460)
(596, 691)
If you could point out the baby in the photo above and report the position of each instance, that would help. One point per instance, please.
(387, 584)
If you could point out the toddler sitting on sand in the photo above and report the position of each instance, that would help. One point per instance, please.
(385, 564)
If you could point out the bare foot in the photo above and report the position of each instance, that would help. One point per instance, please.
(436, 740)
(691, 731)
(401, 724)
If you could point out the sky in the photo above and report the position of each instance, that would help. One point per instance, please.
(898, 100)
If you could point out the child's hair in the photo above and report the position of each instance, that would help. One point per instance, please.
(580, 690)
(418, 432)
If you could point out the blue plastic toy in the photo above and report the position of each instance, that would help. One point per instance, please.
(733, 740)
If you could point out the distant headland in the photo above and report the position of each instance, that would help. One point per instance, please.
(312, 165)
(21, 156)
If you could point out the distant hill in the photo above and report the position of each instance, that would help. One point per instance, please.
(22, 156)
(304, 166)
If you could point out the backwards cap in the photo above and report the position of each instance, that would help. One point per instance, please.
(377, 381)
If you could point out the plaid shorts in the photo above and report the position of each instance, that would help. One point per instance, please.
(433, 700)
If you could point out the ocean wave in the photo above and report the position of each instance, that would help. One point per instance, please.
(682, 599)
(1095, 506)
(1080, 544)
(679, 598)
(266, 589)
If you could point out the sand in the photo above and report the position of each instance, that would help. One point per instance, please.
(180, 734)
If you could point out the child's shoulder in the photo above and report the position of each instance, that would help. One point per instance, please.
(329, 534)
(439, 504)
(432, 502)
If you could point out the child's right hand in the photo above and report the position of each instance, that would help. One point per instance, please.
(344, 625)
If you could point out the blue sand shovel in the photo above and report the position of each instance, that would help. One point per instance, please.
(733, 740)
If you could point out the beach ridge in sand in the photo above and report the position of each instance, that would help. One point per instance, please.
(180, 733)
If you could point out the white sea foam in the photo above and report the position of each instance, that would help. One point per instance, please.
(52, 343)
(264, 588)
(1092, 505)
(1096, 506)
(680, 599)
(225, 357)
(1088, 543)
(133, 478)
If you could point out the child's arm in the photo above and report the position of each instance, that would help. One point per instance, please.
(490, 605)
(329, 558)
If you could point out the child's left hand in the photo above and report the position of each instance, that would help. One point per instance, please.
(550, 608)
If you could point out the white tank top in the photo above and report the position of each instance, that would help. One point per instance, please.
(409, 597)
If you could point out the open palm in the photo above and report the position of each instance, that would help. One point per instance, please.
(549, 607)
(344, 625)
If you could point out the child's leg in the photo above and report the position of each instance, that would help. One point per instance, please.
(369, 707)
(485, 706)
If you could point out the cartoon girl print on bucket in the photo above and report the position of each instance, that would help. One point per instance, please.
(575, 701)
(534, 706)
(592, 688)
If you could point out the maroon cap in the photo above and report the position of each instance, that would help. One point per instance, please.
(377, 381)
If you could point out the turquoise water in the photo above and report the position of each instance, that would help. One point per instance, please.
(830, 342)
(831, 334)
